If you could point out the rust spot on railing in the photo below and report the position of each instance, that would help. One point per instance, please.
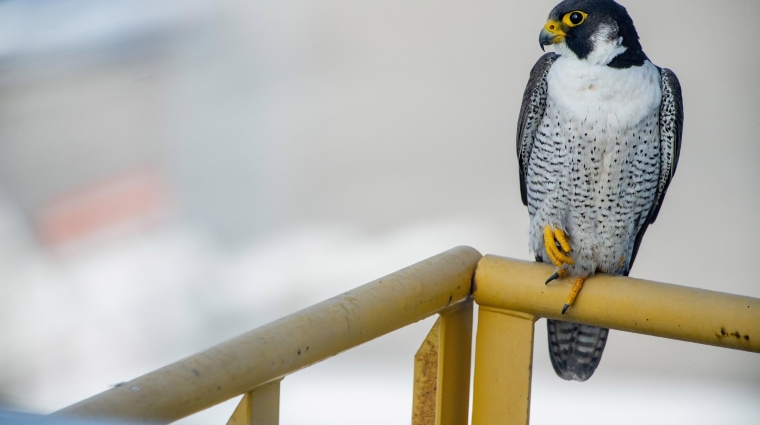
(725, 334)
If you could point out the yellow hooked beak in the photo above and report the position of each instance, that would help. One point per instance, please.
(551, 34)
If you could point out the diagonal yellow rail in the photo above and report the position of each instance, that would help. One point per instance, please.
(511, 296)
(294, 342)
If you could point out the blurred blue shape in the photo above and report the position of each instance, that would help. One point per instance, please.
(8, 417)
(89, 30)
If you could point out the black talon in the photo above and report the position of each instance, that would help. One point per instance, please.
(564, 309)
(552, 277)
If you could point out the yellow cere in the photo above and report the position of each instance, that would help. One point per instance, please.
(554, 28)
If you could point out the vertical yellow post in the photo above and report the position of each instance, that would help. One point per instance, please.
(442, 370)
(242, 413)
(503, 367)
(454, 360)
(261, 406)
(426, 378)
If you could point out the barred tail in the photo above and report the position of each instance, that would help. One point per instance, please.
(575, 349)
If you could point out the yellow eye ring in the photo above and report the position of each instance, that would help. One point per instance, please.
(574, 18)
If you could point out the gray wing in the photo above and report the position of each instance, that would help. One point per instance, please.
(531, 113)
(671, 129)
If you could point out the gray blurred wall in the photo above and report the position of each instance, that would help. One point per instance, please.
(269, 116)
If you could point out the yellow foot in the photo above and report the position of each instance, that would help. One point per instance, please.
(573, 293)
(553, 238)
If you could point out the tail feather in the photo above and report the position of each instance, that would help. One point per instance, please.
(575, 349)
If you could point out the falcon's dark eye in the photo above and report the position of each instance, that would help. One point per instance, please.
(574, 18)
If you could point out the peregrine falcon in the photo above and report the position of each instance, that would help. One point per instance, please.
(598, 141)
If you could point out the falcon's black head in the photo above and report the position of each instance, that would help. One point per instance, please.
(599, 31)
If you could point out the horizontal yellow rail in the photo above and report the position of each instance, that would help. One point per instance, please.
(282, 347)
(623, 303)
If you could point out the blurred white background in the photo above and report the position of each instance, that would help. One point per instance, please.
(174, 173)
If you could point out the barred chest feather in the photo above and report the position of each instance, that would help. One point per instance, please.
(595, 163)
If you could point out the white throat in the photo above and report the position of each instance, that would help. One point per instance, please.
(599, 94)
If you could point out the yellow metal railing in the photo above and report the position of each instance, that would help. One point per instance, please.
(511, 296)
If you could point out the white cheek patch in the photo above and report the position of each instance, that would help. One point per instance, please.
(606, 46)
